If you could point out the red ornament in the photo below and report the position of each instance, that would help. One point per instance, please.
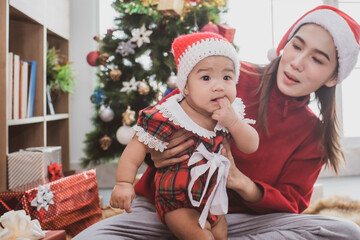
(91, 58)
(210, 28)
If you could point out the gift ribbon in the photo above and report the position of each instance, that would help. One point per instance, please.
(217, 202)
(43, 198)
(18, 225)
(55, 171)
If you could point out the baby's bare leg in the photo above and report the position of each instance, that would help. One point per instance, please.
(184, 224)
(220, 228)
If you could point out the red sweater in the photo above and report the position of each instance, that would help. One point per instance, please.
(287, 162)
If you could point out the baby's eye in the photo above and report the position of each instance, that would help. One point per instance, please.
(205, 78)
(227, 78)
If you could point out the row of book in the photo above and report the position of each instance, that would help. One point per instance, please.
(21, 87)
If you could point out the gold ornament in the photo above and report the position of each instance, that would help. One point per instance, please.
(147, 3)
(103, 58)
(115, 74)
(128, 117)
(105, 142)
(143, 88)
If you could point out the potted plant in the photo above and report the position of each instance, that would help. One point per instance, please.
(59, 75)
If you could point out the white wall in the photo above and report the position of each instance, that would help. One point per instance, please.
(84, 24)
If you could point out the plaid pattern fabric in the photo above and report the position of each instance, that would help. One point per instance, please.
(171, 182)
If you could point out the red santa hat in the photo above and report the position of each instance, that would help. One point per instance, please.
(344, 30)
(190, 49)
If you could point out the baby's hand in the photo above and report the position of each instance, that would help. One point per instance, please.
(122, 196)
(225, 115)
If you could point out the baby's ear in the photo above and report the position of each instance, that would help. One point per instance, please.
(186, 90)
(332, 82)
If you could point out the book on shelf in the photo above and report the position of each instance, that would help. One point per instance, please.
(23, 94)
(31, 86)
(16, 86)
(10, 85)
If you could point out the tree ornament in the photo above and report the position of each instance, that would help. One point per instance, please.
(106, 114)
(171, 8)
(97, 97)
(91, 58)
(125, 48)
(140, 35)
(129, 86)
(124, 134)
(171, 81)
(128, 117)
(143, 88)
(105, 142)
(115, 74)
(211, 27)
(103, 58)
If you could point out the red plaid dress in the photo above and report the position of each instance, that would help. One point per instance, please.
(172, 182)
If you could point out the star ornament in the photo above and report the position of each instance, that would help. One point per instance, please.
(130, 86)
(140, 35)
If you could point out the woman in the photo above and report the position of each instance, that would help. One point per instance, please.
(267, 189)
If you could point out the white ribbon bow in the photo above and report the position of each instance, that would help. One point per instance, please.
(217, 202)
(43, 198)
(18, 225)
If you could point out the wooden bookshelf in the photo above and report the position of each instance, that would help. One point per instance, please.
(26, 28)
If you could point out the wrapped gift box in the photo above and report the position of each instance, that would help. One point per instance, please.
(70, 203)
(227, 32)
(55, 235)
(31, 165)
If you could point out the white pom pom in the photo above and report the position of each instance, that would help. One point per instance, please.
(271, 54)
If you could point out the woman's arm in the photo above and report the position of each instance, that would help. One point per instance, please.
(240, 183)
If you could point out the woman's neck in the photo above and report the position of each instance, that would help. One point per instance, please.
(201, 118)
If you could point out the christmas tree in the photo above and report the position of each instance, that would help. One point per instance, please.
(135, 66)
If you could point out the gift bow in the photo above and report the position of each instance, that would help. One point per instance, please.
(55, 171)
(18, 225)
(43, 198)
(217, 202)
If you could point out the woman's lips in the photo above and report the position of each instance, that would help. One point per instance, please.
(291, 78)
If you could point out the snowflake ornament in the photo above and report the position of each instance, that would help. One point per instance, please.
(140, 35)
(130, 86)
(125, 48)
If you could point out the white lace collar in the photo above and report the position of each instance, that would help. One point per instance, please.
(172, 110)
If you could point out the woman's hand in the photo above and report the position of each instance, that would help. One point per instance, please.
(175, 147)
(238, 181)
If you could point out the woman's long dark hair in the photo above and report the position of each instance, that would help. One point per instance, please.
(328, 126)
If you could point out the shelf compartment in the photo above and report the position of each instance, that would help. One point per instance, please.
(24, 136)
(58, 135)
(26, 39)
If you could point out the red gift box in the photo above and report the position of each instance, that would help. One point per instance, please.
(55, 235)
(227, 32)
(73, 203)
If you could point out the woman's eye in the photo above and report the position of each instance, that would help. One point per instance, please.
(206, 78)
(317, 60)
(296, 47)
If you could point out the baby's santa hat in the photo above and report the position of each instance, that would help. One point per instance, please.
(344, 30)
(190, 49)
